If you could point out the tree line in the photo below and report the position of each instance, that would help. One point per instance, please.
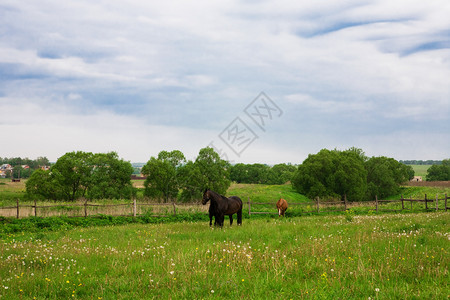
(171, 177)
(351, 174)
(439, 172)
(421, 162)
(83, 174)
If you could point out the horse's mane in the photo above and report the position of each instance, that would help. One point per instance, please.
(217, 195)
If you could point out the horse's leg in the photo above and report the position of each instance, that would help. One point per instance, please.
(231, 220)
(210, 219)
(239, 216)
(221, 218)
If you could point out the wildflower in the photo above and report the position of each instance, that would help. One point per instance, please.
(212, 291)
(377, 290)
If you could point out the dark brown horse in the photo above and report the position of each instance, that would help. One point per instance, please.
(221, 206)
(282, 207)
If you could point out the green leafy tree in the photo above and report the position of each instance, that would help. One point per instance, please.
(208, 171)
(163, 177)
(72, 172)
(110, 177)
(281, 173)
(439, 172)
(83, 174)
(332, 173)
(384, 176)
(41, 185)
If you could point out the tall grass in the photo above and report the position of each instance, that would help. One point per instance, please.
(318, 257)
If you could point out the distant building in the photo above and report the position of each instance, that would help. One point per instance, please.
(417, 178)
(6, 167)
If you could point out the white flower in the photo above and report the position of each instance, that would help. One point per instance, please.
(212, 291)
(377, 290)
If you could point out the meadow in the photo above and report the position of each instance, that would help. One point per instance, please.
(401, 256)
(420, 170)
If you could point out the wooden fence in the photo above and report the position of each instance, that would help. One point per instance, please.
(84, 209)
(135, 208)
(319, 206)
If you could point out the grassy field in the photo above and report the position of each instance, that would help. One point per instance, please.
(403, 256)
(420, 170)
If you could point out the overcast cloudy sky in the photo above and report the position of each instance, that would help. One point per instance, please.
(138, 77)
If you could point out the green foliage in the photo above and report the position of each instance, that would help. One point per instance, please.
(163, 175)
(262, 174)
(384, 176)
(41, 185)
(110, 177)
(439, 172)
(332, 173)
(83, 174)
(208, 171)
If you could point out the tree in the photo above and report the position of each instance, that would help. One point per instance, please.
(163, 179)
(83, 174)
(41, 185)
(281, 173)
(208, 171)
(332, 173)
(110, 177)
(72, 174)
(439, 172)
(384, 176)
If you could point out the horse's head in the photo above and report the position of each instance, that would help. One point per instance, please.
(205, 197)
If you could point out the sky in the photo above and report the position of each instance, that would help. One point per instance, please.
(259, 81)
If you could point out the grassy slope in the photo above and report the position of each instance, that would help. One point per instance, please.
(265, 193)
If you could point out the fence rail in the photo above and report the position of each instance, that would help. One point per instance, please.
(135, 208)
(324, 206)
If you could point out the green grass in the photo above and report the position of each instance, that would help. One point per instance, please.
(266, 193)
(418, 192)
(10, 191)
(402, 256)
(420, 170)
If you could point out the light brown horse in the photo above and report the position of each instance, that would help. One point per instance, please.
(282, 205)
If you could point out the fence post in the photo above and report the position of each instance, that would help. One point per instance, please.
(437, 199)
(376, 203)
(174, 208)
(17, 208)
(426, 202)
(85, 208)
(411, 202)
(403, 205)
(134, 207)
(35, 208)
(318, 208)
(445, 202)
(249, 209)
(345, 201)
